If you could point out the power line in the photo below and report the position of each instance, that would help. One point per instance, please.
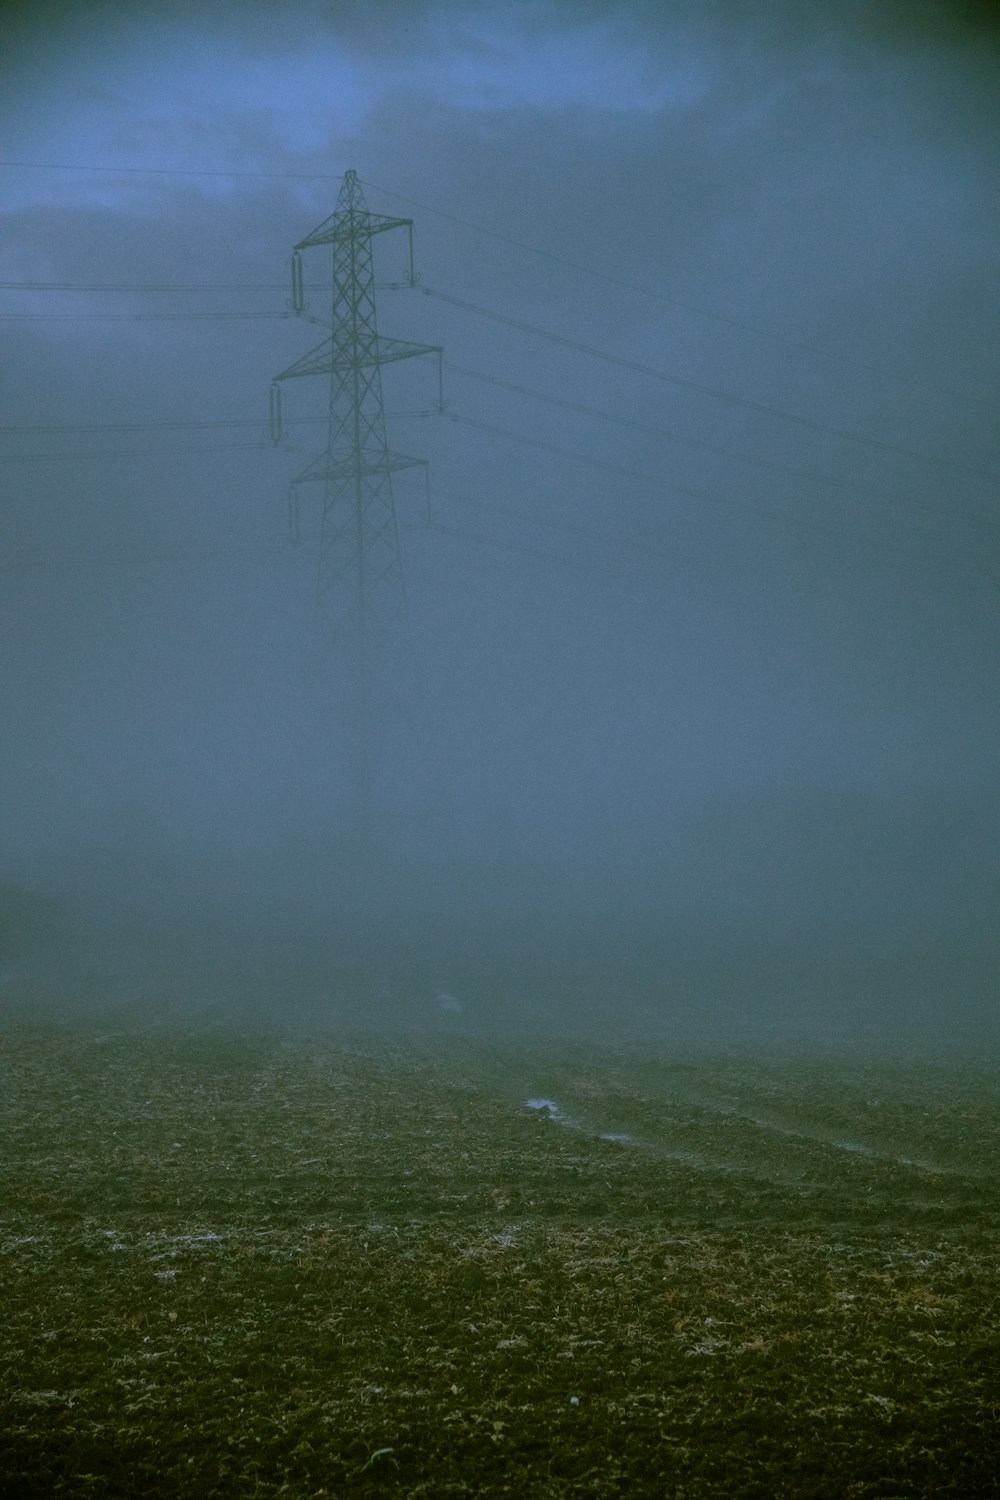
(565, 342)
(151, 286)
(481, 311)
(784, 518)
(665, 297)
(526, 550)
(663, 433)
(602, 569)
(60, 166)
(140, 317)
(547, 334)
(27, 458)
(259, 424)
(568, 528)
(117, 287)
(689, 493)
(644, 291)
(558, 339)
(579, 407)
(6, 431)
(44, 562)
(671, 434)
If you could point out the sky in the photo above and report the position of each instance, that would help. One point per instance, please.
(701, 678)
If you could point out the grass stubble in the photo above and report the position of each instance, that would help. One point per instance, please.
(248, 1264)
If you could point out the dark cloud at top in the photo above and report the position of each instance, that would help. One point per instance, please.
(897, 25)
(928, 22)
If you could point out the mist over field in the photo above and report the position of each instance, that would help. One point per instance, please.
(697, 729)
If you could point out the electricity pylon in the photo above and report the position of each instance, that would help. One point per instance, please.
(361, 594)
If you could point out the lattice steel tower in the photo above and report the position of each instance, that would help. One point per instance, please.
(361, 591)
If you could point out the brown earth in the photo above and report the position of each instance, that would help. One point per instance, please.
(320, 1265)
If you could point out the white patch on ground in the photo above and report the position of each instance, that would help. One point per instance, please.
(553, 1112)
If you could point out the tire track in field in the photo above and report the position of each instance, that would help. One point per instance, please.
(581, 1120)
(767, 1148)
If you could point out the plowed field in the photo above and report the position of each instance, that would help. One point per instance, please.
(262, 1264)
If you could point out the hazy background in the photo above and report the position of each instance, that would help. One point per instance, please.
(708, 719)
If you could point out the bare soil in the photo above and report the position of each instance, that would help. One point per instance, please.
(261, 1264)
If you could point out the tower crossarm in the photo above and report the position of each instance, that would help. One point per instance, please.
(325, 358)
(334, 230)
(349, 466)
(390, 349)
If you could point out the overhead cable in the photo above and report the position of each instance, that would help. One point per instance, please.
(141, 317)
(702, 496)
(783, 517)
(29, 458)
(565, 342)
(724, 318)
(655, 294)
(61, 166)
(671, 434)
